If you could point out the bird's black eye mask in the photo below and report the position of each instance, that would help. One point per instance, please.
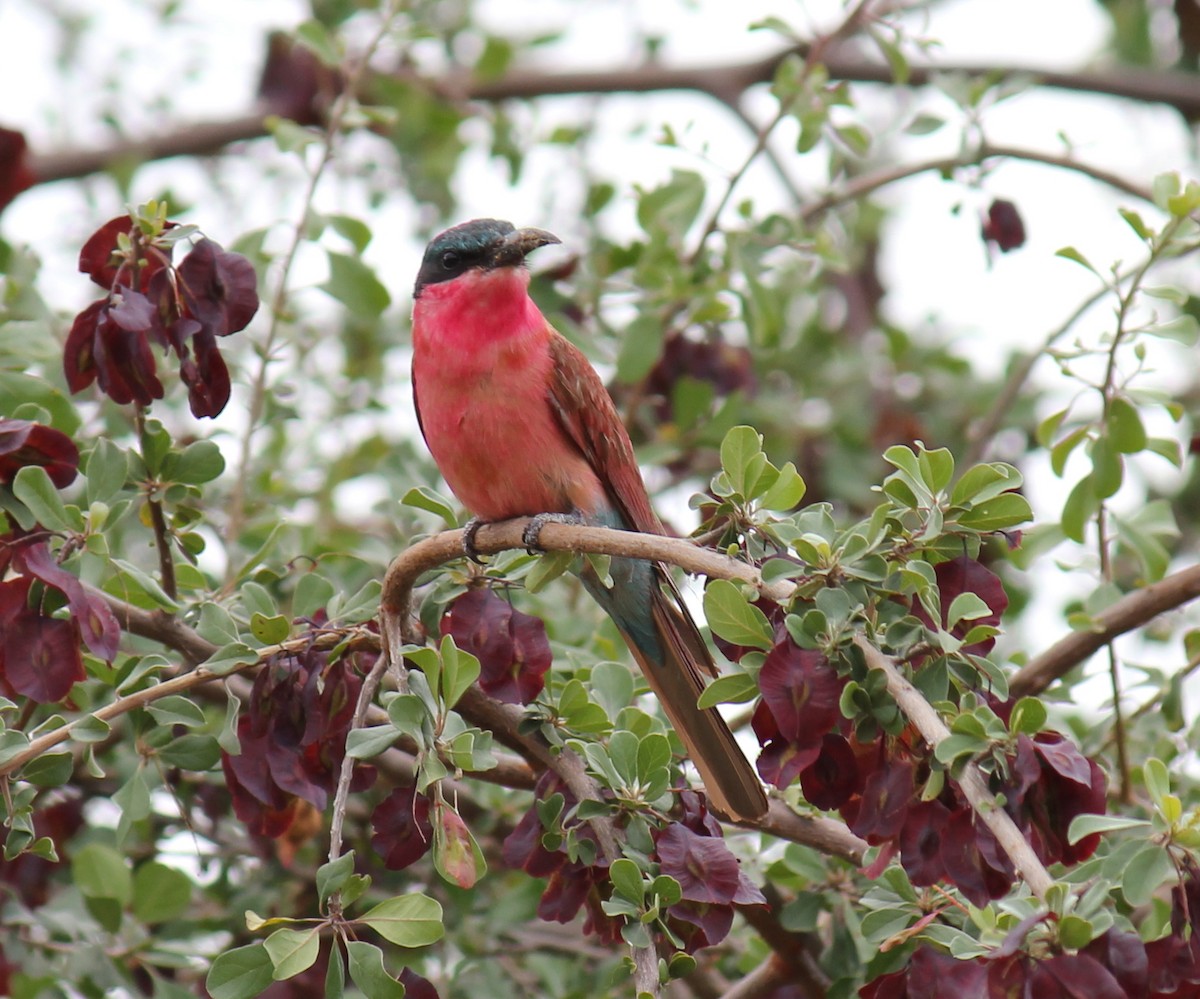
(458, 250)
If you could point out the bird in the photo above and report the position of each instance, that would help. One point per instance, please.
(519, 424)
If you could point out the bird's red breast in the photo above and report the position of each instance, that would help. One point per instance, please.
(482, 367)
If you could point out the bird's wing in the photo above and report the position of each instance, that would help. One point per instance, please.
(587, 414)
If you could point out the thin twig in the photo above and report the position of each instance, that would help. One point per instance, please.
(258, 391)
(158, 522)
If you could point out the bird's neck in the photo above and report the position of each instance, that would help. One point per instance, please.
(477, 316)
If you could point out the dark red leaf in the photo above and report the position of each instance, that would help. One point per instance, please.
(23, 442)
(39, 656)
(99, 258)
(15, 172)
(830, 780)
(1080, 976)
(891, 986)
(79, 355)
(402, 830)
(1123, 954)
(96, 622)
(696, 815)
(1003, 226)
(206, 377)
(219, 288)
(566, 893)
(702, 925)
(801, 690)
(934, 974)
(704, 867)
(512, 648)
(416, 987)
(921, 842)
(971, 859)
(125, 366)
(886, 797)
(295, 84)
(1063, 757)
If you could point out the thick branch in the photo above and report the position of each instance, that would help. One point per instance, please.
(929, 723)
(724, 82)
(1128, 613)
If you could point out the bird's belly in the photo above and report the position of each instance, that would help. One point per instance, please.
(505, 455)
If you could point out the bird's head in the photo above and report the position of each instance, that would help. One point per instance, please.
(478, 245)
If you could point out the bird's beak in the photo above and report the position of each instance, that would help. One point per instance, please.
(514, 247)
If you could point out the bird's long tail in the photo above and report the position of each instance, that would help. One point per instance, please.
(672, 655)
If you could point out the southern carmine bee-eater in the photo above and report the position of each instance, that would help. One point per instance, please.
(520, 424)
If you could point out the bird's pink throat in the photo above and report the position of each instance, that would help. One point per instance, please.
(478, 310)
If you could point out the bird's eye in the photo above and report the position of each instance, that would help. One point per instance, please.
(449, 260)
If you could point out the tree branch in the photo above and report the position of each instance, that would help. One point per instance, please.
(1128, 613)
(724, 82)
(929, 723)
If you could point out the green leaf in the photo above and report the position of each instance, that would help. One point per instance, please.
(1075, 932)
(107, 470)
(292, 951)
(368, 973)
(229, 657)
(1028, 716)
(407, 920)
(937, 468)
(353, 229)
(998, 514)
(785, 492)
(32, 486)
(1080, 508)
(1108, 468)
(240, 973)
(1084, 825)
(49, 769)
(673, 207)
(641, 347)
(270, 630)
(1061, 451)
(732, 617)
(198, 753)
(627, 880)
(424, 498)
(175, 709)
(1125, 428)
(1145, 871)
(160, 893)
(460, 669)
(740, 451)
(100, 872)
(199, 462)
(315, 37)
(364, 743)
(313, 593)
(1070, 253)
(355, 285)
(1158, 780)
(335, 974)
(732, 688)
(332, 875)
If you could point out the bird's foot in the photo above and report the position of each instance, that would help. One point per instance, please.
(534, 530)
(468, 539)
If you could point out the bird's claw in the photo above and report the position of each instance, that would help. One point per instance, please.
(468, 539)
(533, 530)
